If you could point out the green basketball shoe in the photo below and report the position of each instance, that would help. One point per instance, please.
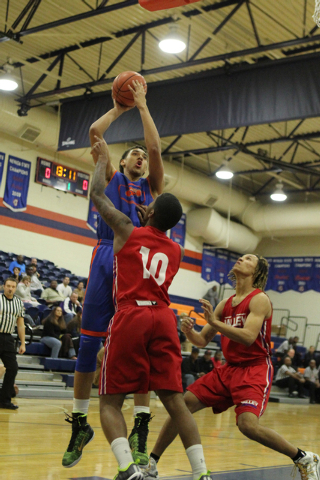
(82, 434)
(138, 438)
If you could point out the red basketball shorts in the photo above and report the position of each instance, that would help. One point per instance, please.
(247, 387)
(142, 352)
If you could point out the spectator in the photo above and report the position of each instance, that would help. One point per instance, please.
(34, 261)
(190, 367)
(284, 347)
(212, 296)
(35, 286)
(64, 289)
(11, 314)
(23, 291)
(205, 363)
(311, 375)
(295, 357)
(80, 291)
(51, 294)
(311, 355)
(287, 377)
(18, 263)
(16, 274)
(217, 359)
(70, 307)
(55, 336)
(74, 328)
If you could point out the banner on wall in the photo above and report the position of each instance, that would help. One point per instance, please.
(217, 263)
(92, 220)
(208, 263)
(17, 184)
(302, 274)
(178, 232)
(2, 157)
(282, 274)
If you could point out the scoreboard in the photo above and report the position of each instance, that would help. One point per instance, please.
(62, 178)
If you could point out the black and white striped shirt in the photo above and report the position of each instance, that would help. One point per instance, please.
(10, 311)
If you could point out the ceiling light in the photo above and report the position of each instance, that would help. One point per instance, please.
(224, 173)
(7, 81)
(278, 195)
(173, 42)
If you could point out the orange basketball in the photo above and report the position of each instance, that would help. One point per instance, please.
(120, 90)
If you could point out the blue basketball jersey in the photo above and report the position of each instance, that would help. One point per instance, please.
(125, 195)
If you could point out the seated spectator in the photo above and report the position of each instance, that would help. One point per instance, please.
(51, 294)
(295, 358)
(35, 286)
(18, 263)
(64, 288)
(23, 291)
(217, 359)
(34, 261)
(80, 291)
(190, 367)
(74, 328)
(70, 307)
(205, 363)
(311, 355)
(16, 274)
(283, 348)
(55, 336)
(311, 375)
(287, 377)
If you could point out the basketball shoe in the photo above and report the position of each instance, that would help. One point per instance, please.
(82, 434)
(150, 470)
(309, 466)
(138, 438)
(132, 472)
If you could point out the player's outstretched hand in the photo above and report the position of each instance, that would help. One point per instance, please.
(207, 310)
(139, 94)
(186, 324)
(99, 148)
(120, 109)
(142, 214)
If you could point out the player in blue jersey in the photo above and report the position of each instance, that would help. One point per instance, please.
(128, 190)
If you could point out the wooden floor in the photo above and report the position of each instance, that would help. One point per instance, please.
(33, 439)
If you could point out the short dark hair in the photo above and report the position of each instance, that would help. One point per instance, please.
(126, 153)
(10, 279)
(195, 350)
(167, 210)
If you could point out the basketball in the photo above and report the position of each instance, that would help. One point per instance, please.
(120, 90)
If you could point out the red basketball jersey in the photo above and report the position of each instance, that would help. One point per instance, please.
(144, 268)
(235, 352)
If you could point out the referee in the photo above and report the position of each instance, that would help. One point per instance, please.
(11, 313)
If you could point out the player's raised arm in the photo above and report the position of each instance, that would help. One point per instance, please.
(152, 139)
(100, 126)
(259, 310)
(118, 221)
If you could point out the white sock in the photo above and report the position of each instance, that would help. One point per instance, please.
(122, 451)
(140, 410)
(197, 461)
(80, 406)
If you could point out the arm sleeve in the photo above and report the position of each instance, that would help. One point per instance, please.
(66, 307)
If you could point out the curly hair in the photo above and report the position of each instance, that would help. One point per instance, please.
(260, 276)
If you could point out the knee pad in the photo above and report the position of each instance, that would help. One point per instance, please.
(87, 354)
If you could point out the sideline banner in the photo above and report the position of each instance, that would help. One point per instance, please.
(92, 220)
(2, 157)
(178, 232)
(17, 184)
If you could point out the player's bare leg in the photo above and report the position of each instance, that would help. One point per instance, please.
(82, 433)
(139, 434)
(308, 463)
(187, 428)
(115, 430)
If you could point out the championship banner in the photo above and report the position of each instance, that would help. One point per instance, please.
(178, 232)
(92, 220)
(270, 274)
(316, 274)
(222, 266)
(302, 274)
(208, 263)
(282, 277)
(17, 184)
(2, 157)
